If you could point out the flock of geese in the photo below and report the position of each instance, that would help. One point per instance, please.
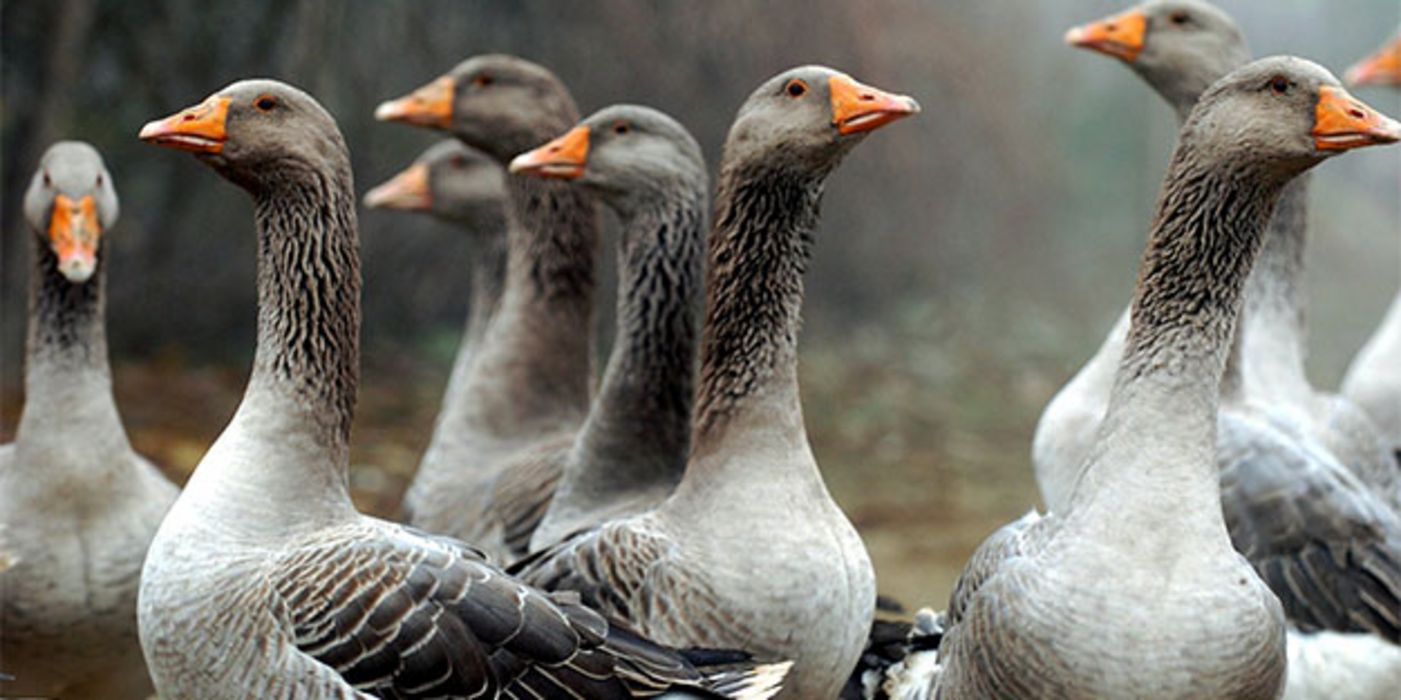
(1216, 527)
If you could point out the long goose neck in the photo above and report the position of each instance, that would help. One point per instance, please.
(488, 278)
(759, 249)
(639, 430)
(537, 356)
(67, 379)
(1156, 447)
(488, 270)
(308, 356)
(1268, 356)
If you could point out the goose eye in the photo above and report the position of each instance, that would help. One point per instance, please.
(1280, 85)
(1180, 18)
(482, 81)
(99, 179)
(265, 103)
(621, 128)
(459, 162)
(48, 182)
(796, 88)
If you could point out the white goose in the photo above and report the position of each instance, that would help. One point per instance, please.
(78, 506)
(1373, 380)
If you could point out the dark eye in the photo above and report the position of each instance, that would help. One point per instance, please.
(99, 179)
(483, 81)
(459, 162)
(621, 128)
(48, 182)
(265, 103)
(796, 88)
(1180, 17)
(1280, 85)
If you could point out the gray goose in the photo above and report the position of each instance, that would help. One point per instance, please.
(1180, 47)
(1135, 590)
(1373, 381)
(78, 507)
(1287, 497)
(531, 387)
(264, 581)
(632, 450)
(464, 187)
(750, 551)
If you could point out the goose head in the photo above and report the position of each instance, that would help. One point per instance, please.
(1381, 68)
(451, 181)
(1179, 47)
(70, 203)
(259, 134)
(805, 119)
(1283, 115)
(630, 156)
(500, 104)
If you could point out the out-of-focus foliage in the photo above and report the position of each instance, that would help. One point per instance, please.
(969, 258)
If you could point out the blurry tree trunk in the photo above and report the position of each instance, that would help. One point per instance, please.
(49, 121)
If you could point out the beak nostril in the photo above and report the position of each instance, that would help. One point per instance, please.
(1356, 113)
(1111, 27)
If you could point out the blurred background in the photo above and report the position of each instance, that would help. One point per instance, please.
(969, 259)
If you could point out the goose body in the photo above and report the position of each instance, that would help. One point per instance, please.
(1104, 598)
(531, 385)
(264, 581)
(78, 507)
(750, 551)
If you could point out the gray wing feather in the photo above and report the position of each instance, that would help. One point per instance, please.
(1323, 541)
(402, 614)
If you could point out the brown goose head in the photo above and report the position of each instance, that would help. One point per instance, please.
(451, 181)
(70, 203)
(805, 119)
(1280, 116)
(258, 134)
(1381, 68)
(500, 104)
(1180, 47)
(631, 156)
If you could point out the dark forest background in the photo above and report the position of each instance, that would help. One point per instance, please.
(969, 259)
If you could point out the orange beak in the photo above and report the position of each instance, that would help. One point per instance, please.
(1341, 122)
(858, 108)
(1381, 68)
(564, 157)
(199, 129)
(1120, 36)
(407, 190)
(430, 105)
(74, 232)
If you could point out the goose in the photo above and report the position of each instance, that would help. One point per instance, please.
(1135, 590)
(464, 187)
(632, 450)
(264, 581)
(1179, 47)
(1373, 381)
(78, 506)
(532, 379)
(1286, 495)
(750, 551)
